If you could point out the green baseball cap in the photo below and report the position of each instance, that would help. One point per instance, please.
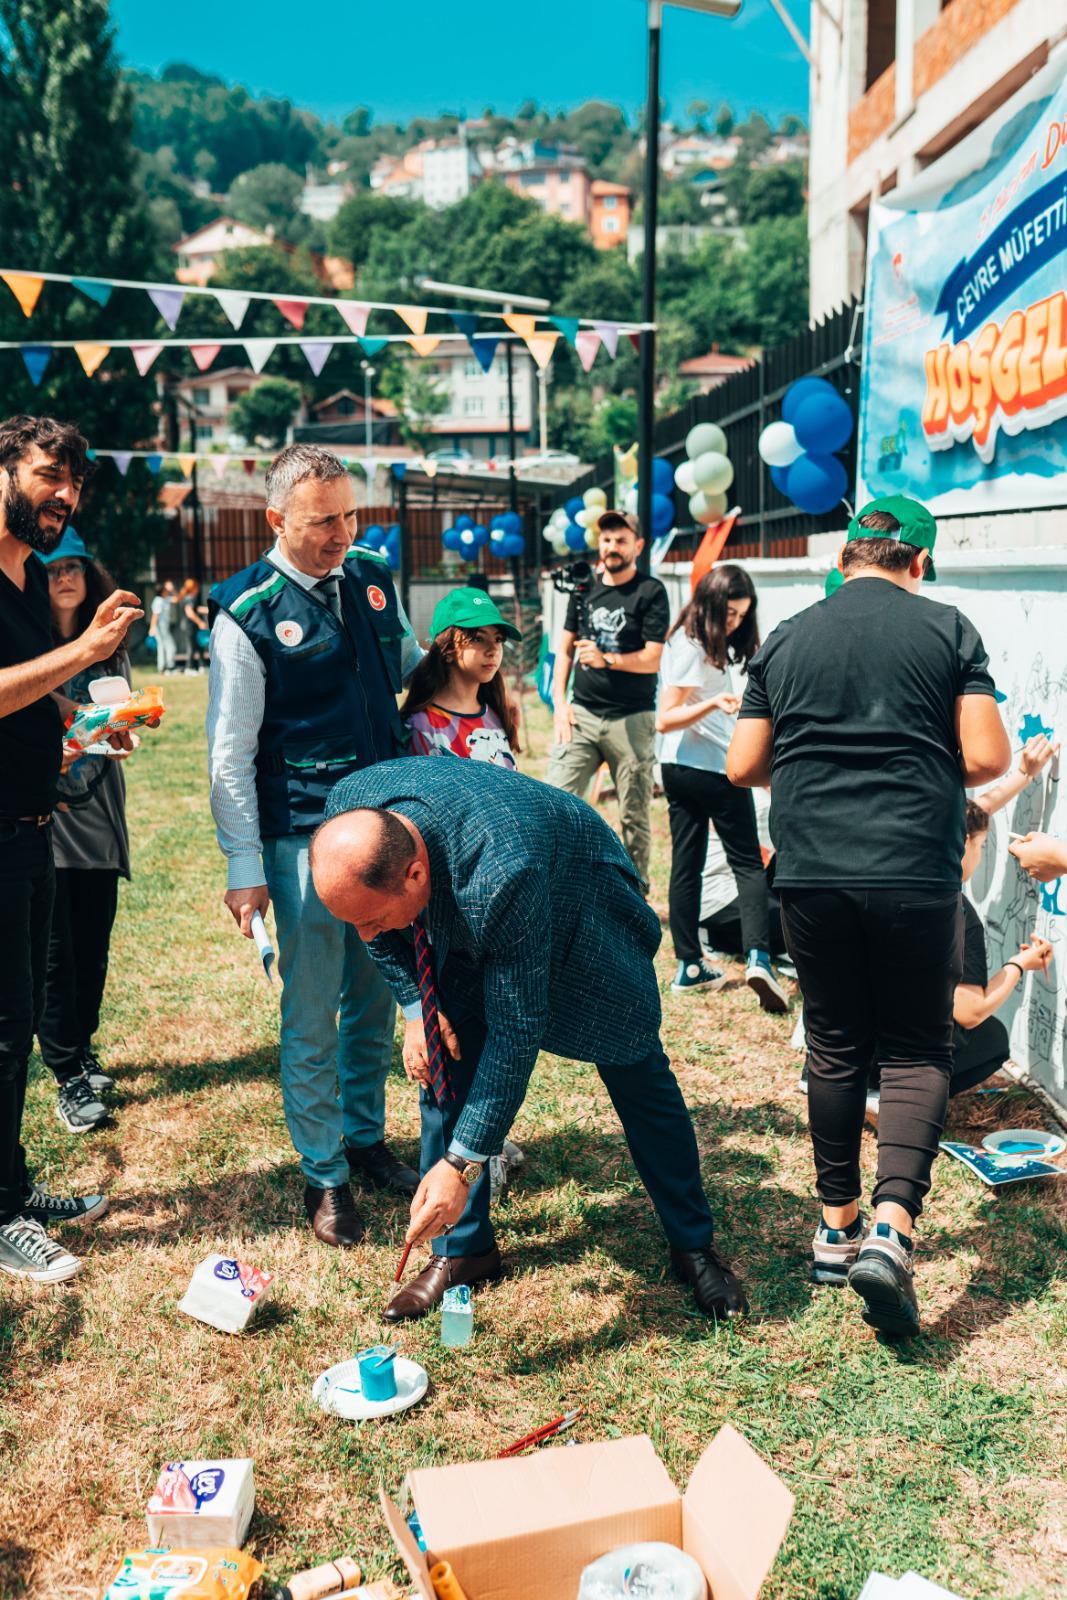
(470, 609)
(917, 526)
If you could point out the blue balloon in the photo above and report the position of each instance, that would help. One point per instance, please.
(469, 552)
(816, 484)
(662, 476)
(823, 423)
(575, 537)
(392, 556)
(511, 522)
(481, 534)
(798, 392)
(513, 545)
(373, 536)
(463, 522)
(778, 478)
(393, 530)
(574, 505)
(450, 538)
(662, 514)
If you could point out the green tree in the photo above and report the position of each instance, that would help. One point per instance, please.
(352, 230)
(774, 192)
(775, 269)
(357, 124)
(263, 414)
(698, 112)
(724, 121)
(267, 197)
(71, 201)
(414, 391)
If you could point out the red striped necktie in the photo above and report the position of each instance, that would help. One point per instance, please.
(440, 1080)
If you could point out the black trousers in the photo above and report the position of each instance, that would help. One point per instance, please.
(722, 930)
(84, 914)
(878, 969)
(27, 884)
(695, 799)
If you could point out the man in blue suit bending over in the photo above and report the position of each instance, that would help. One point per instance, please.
(508, 919)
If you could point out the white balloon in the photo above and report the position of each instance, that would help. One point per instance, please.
(589, 517)
(713, 472)
(595, 498)
(630, 503)
(559, 518)
(592, 538)
(705, 508)
(704, 437)
(779, 445)
(559, 543)
(683, 477)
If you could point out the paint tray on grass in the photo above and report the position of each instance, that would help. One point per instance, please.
(997, 1170)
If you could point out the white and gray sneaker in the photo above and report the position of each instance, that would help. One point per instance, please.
(77, 1107)
(99, 1080)
(883, 1274)
(47, 1208)
(834, 1250)
(26, 1251)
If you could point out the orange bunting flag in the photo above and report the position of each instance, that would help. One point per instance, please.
(92, 356)
(414, 316)
(424, 345)
(187, 463)
(521, 323)
(204, 354)
(541, 346)
(25, 287)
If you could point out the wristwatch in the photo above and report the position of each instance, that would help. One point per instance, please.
(469, 1171)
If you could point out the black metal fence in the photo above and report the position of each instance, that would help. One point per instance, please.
(744, 405)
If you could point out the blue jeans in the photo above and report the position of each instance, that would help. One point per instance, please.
(325, 969)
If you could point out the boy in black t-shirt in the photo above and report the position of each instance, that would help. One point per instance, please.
(868, 713)
(613, 715)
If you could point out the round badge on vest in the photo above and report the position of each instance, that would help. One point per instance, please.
(376, 598)
(289, 633)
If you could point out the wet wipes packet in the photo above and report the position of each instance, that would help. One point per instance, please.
(219, 1574)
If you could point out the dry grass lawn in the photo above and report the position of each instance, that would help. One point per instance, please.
(947, 1455)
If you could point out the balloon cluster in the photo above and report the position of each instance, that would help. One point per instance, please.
(706, 473)
(503, 536)
(663, 518)
(799, 450)
(574, 526)
(384, 542)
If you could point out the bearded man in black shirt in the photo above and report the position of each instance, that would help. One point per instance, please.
(43, 465)
(868, 713)
(616, 662)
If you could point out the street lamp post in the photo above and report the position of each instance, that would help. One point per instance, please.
(646, 392)
(368, 374)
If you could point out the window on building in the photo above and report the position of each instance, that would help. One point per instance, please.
(474, 405)
(205, 433)
(201, 397)
(881, 37)
(531, 180)
(610, 201)
(232, 395)
(472, 369)
(610, 225)
(502, 405)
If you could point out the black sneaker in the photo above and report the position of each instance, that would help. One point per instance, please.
(883, 1273)
(99, 1080)
(47, 1208)
(77, 1107)
(693, 975)
(377, 1165)
(26, 1251)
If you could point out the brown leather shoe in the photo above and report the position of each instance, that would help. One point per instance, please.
(440, 1273)
(333, 1215)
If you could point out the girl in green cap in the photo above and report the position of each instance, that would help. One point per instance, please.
(457, 701)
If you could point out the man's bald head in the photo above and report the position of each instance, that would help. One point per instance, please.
(370, 868)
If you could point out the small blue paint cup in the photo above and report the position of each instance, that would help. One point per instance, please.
(377, 1375)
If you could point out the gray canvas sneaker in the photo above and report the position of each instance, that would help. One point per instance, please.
(26, 1251)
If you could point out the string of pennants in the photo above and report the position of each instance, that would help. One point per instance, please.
(586, 336)
(220, 461)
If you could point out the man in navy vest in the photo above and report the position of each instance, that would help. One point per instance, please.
(309, 649)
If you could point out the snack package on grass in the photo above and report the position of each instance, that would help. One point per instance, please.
(219, 1574)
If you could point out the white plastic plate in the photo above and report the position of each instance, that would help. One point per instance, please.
(1016, 1144)
(338, 1390)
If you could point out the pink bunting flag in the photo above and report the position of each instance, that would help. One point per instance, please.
(609, 334)
(168, 302)
(316, 353)
(219, 465)
(144, 355)
(122, 459)
(354, 314)
(234, 303)
(587, 343)
(259, 352)
(204, 354)
(293, 311)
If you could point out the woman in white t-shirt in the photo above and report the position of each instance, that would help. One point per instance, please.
(695, 719)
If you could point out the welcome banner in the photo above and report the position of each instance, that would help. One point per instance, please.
(964, 391)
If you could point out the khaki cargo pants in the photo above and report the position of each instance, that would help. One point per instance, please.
(628, 745)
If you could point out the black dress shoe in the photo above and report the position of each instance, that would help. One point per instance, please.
(427, 1289)
(716, 1288)
(377, 1165)
(333, 1215)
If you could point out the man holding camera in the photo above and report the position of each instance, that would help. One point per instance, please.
(613, 639)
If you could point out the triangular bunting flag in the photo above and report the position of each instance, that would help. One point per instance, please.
(187, 463)
(414, 316)
(521, 323)
(464, 322)
(372, 346)
(204, 354)
(91, 356)
(293, 311)
(587, 343)
(234, 303)
(259, 352)
(100, 292)
(424, 344)
(219, 465)
(168, 302)
(153, 463)
(635, 340)
(122, 459)
(249, 464)
(568, 327)
(144, 355)
(484, 348)
(609, 334)
(316, 352)
(36, 357)
(25, 287)
(353, 314)
(541, 346)
(92, 454)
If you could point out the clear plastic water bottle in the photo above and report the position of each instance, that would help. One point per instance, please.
(457, 1317)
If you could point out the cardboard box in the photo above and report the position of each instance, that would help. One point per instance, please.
(524, 1529)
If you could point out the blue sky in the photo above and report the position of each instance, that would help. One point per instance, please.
(409, 57)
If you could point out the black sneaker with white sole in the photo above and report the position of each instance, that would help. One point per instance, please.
(26, 1251)
(47, 1208)
(77, 1107)
(693, 975)
(763, 981)
(883, 1274)
(99, 1080)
